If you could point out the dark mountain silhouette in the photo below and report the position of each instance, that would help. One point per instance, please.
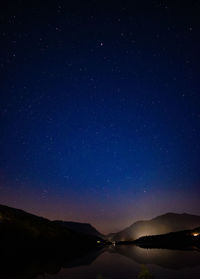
(22, 229)
(80, 227)
(170, 222)
(33, 245)
(183, 240)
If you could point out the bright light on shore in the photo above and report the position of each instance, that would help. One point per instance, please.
(195, 234)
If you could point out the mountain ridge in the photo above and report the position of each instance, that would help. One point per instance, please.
(28, 221)
(168, 222)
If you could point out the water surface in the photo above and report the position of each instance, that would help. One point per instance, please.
(128, 262)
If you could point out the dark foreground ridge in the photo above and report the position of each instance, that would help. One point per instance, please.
(29, 240)
(18, 226)
(183, 240)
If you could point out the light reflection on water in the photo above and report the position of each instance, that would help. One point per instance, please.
(132, 262)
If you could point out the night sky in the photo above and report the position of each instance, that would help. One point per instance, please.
(100, 109)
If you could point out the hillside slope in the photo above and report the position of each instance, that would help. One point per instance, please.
(170, 222)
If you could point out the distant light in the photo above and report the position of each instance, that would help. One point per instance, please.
(98, 241)
(195, 234)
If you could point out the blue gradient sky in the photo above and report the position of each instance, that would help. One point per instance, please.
(100, 109)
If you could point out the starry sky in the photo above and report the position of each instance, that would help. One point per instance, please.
(100, 109)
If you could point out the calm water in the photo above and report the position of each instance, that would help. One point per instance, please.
(126, 262)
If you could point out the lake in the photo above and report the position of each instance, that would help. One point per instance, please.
(128, 262)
